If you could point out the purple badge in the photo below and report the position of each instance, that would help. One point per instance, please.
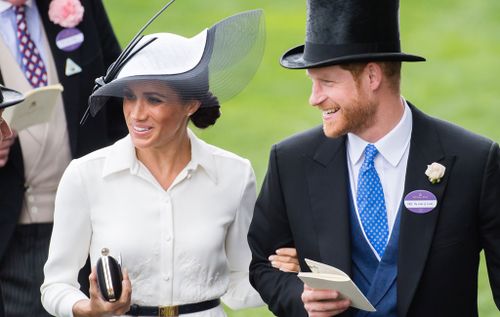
(420, 201)
(69, 39)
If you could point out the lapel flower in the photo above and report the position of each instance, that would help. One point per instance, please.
(435, 172)
(66, 13)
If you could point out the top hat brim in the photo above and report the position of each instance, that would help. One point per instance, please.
(294, 58)
(10, 97)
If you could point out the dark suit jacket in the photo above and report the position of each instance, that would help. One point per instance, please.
(99, 49)
(304, 202)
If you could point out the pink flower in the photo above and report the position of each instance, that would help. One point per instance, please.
(66, 13)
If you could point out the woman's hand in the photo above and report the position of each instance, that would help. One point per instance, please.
(96, 306)
(286, 260)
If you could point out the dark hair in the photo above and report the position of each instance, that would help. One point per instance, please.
(197, 89)
(208, 112)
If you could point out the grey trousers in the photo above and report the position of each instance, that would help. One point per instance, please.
(21, 270)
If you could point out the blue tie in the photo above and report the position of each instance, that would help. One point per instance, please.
(371, 202)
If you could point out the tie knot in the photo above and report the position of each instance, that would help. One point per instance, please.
(20, 9)
(370, 154)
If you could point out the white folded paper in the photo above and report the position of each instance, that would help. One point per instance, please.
(37, 107)
(324, 276)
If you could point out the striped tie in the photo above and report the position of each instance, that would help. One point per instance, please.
(32, 63)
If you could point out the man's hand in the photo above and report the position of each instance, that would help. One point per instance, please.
(5, 145)
(286, 260)
(323, 303)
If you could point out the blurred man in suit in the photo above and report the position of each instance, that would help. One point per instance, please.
(8, 97)
(402, 202)
(42, 43)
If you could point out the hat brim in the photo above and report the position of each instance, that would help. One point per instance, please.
(10, 97)
(294, 59)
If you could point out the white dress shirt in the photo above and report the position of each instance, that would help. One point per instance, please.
(182, 245)
(390, 164)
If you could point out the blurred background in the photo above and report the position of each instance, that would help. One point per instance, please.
(458, 83)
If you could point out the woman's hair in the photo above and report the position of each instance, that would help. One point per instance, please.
(208, 112)
(197, 89)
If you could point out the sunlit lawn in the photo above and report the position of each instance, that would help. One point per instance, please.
(458, 83)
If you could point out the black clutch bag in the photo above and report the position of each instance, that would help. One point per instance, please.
(109, 276)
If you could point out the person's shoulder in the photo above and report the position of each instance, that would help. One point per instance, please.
(458, 139)
(222, 155)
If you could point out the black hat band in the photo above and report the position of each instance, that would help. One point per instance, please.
(320, 52)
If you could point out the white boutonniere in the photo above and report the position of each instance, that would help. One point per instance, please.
(435, 172)
(66, 13)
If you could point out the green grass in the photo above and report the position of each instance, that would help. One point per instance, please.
(459, 38)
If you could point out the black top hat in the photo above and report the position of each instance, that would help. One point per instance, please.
(344, 31)
(9, 97)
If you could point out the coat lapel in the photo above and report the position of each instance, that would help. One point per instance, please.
(417, 230)
(72, 84)
(71, 93)
(327, 178)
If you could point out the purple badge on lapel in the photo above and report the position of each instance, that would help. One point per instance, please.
(420, 201)
(69, 39)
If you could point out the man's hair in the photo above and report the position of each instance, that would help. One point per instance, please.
(391, 70)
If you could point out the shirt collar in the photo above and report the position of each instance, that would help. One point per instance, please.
(392, 146)
(5, 5)
(122, 157)
(202, 156)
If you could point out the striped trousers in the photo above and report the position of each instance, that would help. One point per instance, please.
(21, 270)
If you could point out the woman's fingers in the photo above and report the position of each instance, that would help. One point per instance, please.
(285, 259)
(126, 296)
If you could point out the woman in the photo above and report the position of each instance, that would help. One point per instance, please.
(173, 207)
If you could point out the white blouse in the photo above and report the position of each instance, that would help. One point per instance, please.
(183, 245)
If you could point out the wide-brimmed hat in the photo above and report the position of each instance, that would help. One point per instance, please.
(9, 97)
(345, 31)
(221, 59)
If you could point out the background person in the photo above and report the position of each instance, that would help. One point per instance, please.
(8, 97)
(342, 193)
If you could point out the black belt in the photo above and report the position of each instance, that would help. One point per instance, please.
(172, 311)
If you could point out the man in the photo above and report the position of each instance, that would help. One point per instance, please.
(74, 48)
(8, 97)
(357, 193)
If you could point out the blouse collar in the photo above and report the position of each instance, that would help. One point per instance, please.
(122, 156)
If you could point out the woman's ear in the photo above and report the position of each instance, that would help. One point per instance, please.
(192, 107)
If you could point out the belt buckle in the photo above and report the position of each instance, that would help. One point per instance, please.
(168, 311)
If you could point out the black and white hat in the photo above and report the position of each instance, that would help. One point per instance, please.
(221, 59)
